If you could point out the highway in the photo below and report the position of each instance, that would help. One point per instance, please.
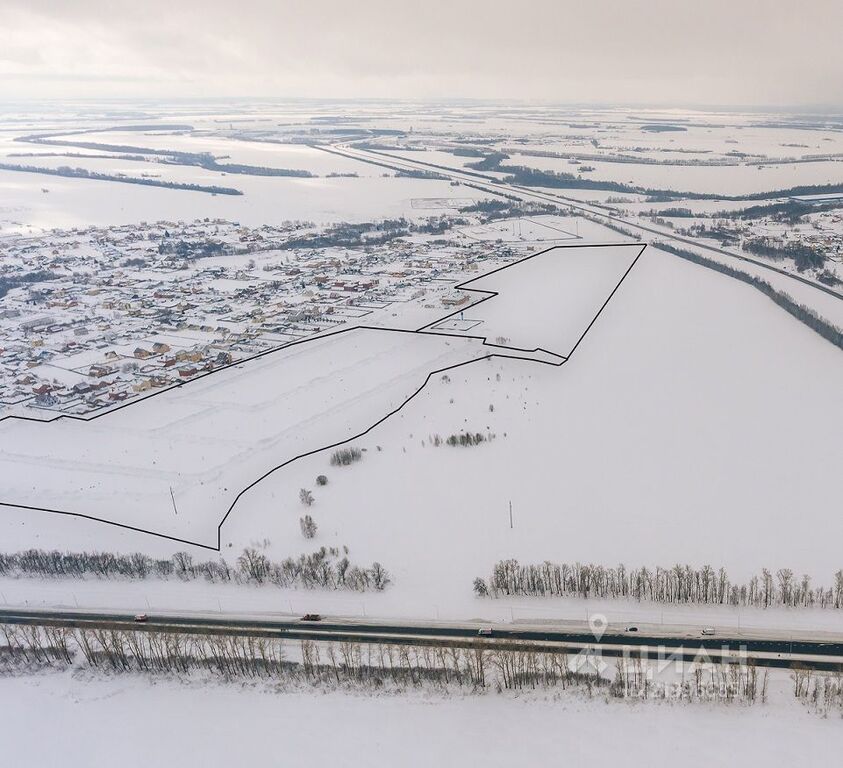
(774, 648)
(491, 184)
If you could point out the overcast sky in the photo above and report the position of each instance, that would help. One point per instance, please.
(716, 52)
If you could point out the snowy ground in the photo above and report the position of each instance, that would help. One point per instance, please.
(547, 301)
(698, 423)
(718, 180)
(175, 463)
(58, 719)
(71, 202)
(695, 424)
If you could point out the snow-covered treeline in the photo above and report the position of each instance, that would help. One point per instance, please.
(677, 584)
(378, 666)
(324, 568)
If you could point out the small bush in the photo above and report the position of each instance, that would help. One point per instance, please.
(321, 480)
(466, 439)
(342, 457)
(306, 497)
(308, 526)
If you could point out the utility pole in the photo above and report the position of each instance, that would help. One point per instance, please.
(173, 497)
(510, 515)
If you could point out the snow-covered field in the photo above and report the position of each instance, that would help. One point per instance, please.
(717, 180)
(176, 462)
(696, 423)
(545, 229)
(547, 301)
(59, 719)
(69, 202)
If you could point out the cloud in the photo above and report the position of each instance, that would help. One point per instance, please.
(628, 51)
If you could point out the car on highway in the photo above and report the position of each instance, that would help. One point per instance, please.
(708, 630)
(632, 629)
(140, 618)
(485, 631)
(311, 617)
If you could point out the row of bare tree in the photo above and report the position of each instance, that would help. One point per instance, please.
(725, 683)
(376, 665)
(371, 665)
(325, 568)
(679, 584)
(822, 693)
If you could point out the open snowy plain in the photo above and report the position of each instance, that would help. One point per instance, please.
(602, 402)
(220, 725)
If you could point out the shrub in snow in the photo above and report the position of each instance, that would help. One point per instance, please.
(466, 439)
(321, 480)
(308, 526)
(342, 457)
(306, 497)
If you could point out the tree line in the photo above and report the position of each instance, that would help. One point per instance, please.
(676, 585)
(801, 312)
(804, 256)
(19, 279)
(84, 173)
(375, 666)
(722, 683)
(821, 693)
(366, 665)
(533, 177)
(322, 569)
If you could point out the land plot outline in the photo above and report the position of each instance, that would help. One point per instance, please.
(175, 464)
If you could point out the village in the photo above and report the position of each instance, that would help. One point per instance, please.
(93, 318)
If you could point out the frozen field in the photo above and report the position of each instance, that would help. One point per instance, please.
(56, 715)
(176, 462)
(547, 301)
(271, 154)
(698, 423)
(722, 180)
(544, 229)
(24, 207)
(671, 436)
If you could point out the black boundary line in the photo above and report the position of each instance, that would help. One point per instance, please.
(473, 324)
(561, 359)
